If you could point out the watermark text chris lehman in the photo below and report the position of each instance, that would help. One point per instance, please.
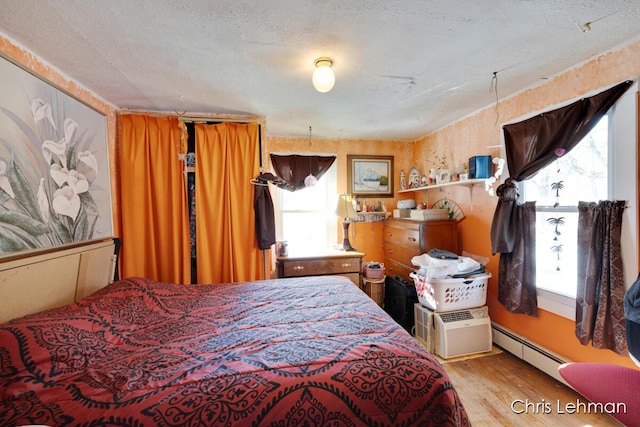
(542, 406)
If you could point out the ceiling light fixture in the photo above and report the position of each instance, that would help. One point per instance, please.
(323, 77)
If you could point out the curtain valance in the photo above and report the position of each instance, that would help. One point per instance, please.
(294, 168)
(534, 143)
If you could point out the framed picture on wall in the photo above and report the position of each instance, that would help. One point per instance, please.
(370, 176)
(54, 166)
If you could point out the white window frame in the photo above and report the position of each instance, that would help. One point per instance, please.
(622, 185)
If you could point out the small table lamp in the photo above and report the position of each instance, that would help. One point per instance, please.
(345, 210)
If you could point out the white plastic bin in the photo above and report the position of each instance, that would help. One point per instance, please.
(452, 294)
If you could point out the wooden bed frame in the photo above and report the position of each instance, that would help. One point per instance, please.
(34, 283)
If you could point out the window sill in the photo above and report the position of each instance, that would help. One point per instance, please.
(556, 303)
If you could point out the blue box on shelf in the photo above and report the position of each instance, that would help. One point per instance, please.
(480, 167)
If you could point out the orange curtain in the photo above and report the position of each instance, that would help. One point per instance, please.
(155, 219)
(227, 158)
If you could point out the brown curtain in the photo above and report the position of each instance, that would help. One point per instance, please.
(517, 269)
(534, 143)
(531, 145)
(600, 297)
(295, 168)
(227, 160)
(155, 218)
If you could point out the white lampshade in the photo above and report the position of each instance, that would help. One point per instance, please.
(345, 209)
(323, 77)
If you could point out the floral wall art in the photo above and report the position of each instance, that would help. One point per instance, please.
(54, 172)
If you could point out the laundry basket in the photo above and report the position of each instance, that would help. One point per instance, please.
(451, 294)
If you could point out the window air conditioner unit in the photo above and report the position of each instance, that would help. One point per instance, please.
(459, 333)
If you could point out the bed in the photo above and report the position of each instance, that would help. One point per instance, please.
(301, 351)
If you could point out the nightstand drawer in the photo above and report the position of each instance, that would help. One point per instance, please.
(315, 267)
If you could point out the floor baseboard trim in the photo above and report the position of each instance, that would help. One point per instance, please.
(532, 353)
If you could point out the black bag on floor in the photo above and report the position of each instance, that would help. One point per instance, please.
(399, 297)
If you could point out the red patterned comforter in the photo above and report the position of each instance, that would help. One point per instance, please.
(307, 351)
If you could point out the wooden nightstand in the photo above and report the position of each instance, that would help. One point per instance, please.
(348, 264)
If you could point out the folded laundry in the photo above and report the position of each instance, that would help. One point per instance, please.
(436, 268)
(442, 254)
(479, 270)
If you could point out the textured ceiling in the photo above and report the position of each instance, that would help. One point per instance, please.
(403, 68)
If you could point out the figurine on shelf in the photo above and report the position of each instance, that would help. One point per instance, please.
(403, 180)
(432, 176)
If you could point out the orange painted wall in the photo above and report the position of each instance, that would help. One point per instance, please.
(477, 135)
(29, 61)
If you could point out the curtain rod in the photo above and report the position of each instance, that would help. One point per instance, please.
(197, 119)
(188, 119)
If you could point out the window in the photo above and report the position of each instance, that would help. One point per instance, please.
(579, 175)
(585, 178)
(305, 218)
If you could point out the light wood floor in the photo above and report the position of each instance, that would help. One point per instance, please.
(489, 386)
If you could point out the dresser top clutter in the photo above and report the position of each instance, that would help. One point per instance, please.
(320, 254)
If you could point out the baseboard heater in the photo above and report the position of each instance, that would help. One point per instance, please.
(533, 354)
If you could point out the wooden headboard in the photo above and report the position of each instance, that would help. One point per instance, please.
(39, 282)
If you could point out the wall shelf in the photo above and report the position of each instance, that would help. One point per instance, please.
(468, 183)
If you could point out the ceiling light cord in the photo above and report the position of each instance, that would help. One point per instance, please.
(310, 180)
(493, 87)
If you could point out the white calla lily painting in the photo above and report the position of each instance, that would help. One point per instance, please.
(54, 170)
